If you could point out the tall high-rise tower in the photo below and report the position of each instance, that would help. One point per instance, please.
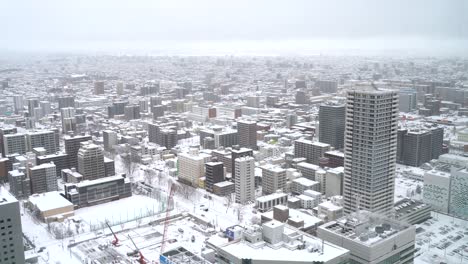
(370, 149)
(245, 179)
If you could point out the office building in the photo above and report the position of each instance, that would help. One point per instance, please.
(253, 101)
(33, 103)
(5, 131)
(44, 139)
(192, 167)
(222, 137)
(68, 120)
(214, 173)
(132, 112)
(273, 179)
(20, 185)
(245, 179)
(370, 149)
(43, 178)
(98, 87)
(371, 238)
(18, 102)
(332, 124)
(302, 97)
(11, 235)
(247, 131)
(91, 161)
(59, 159)
(15, 143)
(280, 243)
(236, 152)
(109, 167)
(117, 108)
(168, 138)
(408, 100)
(333, 182)
(327, 86)
(412, 212)
(4, 168)
(458, 192)
(157, 111)
(307, 170)
(267, 202)
(110, 139)
(66, 101)
(88, 193)
(72, 145)
(437, 190)
(310, 150)
(419, 145)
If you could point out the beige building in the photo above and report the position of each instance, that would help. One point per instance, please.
(51, 206)
(192, 166)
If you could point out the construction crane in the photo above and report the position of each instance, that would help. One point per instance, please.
(172, 190)
(115, 242)
(141, 260)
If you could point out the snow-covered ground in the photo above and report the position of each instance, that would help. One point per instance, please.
(442, 239)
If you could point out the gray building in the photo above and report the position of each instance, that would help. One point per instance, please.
(132, 112)
(418, 146)
(332, 124)
(310, 150)
(43, 178)
(214, 173)
(247, 131)
(20, 185)
(370, 149)
(407, 100)
(91, 161)
(72, 145)
(327, 86)
(66, 101)
(308, 170)
(273, 179)
(59, 159)
(45, 139)
(110, 139)
(11, 235)
(88, 193)
(15, 143)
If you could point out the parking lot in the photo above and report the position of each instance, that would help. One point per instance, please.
(442, 239)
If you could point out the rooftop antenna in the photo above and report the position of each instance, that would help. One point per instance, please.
(374, 86)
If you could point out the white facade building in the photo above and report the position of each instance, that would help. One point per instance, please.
(245, 179)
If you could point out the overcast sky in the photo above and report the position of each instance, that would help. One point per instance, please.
(31, 24)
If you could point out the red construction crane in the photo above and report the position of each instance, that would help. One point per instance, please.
(166, 219)
(141, 260)
(115, 242)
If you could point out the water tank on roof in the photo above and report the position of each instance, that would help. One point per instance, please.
(379, 229)
(386, 226)
(364, 237)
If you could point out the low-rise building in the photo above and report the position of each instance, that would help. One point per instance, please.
(267, 202)
(275, 243)
(51, 206)
(371, 238)
(92, 192)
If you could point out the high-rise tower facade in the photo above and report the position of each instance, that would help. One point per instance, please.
(370, 149)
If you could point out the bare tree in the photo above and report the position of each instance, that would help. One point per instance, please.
(128, 164)
(186, 191)
(229, 201)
